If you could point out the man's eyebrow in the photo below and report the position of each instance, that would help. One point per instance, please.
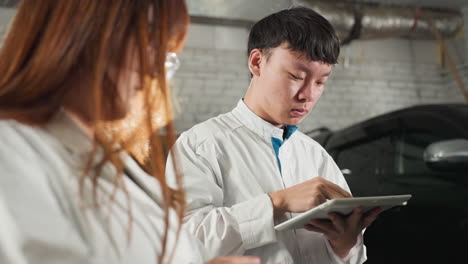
(302, 67)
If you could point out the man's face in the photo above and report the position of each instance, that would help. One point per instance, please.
(285, 86)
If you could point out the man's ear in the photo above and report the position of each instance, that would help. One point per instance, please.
(255, 60)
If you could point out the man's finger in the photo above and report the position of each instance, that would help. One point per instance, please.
(337, 221)
(332, 191)
(245, 260)
(314, 228)
(319, 199)
(325, 225)
(356, 217)
(235, 260)
(370, 217)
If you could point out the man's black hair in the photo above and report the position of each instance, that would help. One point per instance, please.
(303, 29)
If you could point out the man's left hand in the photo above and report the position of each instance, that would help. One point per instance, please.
(342, 231)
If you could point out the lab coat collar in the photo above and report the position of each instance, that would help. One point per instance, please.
(69, 134)
(251, 120)
(145, 181)
(80, 145)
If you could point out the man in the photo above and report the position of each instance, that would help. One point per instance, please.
(248, 170)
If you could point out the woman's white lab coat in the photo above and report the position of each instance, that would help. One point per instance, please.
(44, 219)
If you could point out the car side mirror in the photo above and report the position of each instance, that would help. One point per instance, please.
(447, 155)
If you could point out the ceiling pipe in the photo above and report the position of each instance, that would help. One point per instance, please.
(351, 19)
(371, 21)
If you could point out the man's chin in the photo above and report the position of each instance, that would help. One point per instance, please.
(293, 121)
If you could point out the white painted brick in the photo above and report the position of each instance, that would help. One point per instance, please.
(200, 36)
(389, 75)
(230, 38)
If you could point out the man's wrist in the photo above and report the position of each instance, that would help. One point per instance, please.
(277, 202)
(340, 250)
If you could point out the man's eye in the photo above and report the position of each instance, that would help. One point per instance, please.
(295, 77)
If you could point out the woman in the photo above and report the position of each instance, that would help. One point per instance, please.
(82, 90)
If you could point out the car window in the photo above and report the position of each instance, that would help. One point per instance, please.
(411, 150)
(366, 163)
(410, 161)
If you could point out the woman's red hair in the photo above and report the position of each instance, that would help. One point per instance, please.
(49, 41)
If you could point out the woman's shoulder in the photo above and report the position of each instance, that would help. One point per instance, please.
(17, 138)
(34, 142)
(27, 150)
(32, 203)
(19, 151)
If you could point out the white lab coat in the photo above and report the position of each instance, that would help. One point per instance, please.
(229, 168)
(49, 223)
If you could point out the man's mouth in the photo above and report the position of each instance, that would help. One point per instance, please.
(299, 112)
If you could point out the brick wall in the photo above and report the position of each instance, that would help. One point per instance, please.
(208, 83)
(213, 75)
(373, 77)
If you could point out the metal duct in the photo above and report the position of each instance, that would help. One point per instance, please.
(368, 21)
(352, 20)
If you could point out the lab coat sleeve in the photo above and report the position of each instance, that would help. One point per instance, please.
(37, 230)
(357, 254)
(222, 230)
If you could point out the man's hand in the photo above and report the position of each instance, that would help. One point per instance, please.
(304, 196)
(235, 260)
(342, 232)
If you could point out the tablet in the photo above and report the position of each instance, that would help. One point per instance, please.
(344, 206)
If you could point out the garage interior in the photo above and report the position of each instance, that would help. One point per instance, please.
(395, 62)
(395, 54)
(392, 58)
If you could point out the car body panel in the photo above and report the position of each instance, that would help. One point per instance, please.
(384, 156)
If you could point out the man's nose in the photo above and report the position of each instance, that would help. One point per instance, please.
(306, 92)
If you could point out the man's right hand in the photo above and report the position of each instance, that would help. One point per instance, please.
(235, 260)
(304, 196)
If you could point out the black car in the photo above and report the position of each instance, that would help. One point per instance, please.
(423, 151)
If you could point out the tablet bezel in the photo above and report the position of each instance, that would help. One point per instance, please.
(344, 206)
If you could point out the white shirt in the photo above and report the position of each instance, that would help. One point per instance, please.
(49, 223)
(230, 166)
